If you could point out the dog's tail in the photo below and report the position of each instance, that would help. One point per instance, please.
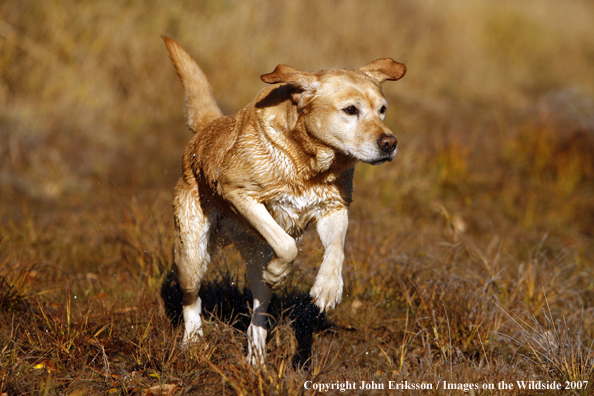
(201, 106)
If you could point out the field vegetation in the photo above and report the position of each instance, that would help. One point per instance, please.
(470, 257)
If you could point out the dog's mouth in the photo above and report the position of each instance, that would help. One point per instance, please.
(380, 161)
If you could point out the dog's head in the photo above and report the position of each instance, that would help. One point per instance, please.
(345, 109)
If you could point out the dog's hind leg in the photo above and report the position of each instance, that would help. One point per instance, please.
(256, 254)
(191, 255)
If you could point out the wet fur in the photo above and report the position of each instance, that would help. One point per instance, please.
(260, 177)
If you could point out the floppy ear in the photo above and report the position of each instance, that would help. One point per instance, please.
(289, 75)
(306, 84)
(384, 69)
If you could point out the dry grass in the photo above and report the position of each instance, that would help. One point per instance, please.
(469, 258)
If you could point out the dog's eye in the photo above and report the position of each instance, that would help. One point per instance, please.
(383, 110)
(351, 110)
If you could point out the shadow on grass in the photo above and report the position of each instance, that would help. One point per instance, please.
(223, 300)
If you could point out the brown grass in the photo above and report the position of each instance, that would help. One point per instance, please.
(469, 258)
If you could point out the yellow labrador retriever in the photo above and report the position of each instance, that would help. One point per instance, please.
(260, 177)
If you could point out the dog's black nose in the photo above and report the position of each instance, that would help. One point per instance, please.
(388, 143)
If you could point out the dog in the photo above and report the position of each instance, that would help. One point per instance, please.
(258, 178)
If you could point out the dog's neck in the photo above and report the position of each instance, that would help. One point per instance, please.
(323, 159)
(279, 115)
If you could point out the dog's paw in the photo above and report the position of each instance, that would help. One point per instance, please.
(327, 293)
(192, 323)
(191, 338)
(276, 274)
(256, 345)
(276, 282)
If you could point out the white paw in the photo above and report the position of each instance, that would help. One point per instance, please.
(256, 345)
(327, 292)
(276, 274)
(192, 323)
(190, 338)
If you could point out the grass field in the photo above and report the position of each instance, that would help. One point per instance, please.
(470, 257)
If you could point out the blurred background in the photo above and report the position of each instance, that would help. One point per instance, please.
(495, 117)
(491, 193)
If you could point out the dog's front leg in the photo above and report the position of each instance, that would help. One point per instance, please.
(283, 245)
(327, 288)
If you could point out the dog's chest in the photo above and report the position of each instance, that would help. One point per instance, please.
(294, 212)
